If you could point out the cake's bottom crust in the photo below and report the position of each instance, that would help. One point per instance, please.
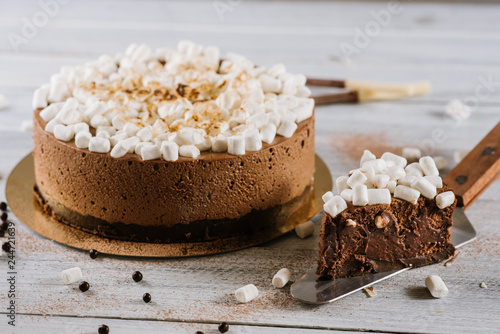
(277, 220)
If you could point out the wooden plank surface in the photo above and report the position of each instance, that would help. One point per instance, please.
(452, 45)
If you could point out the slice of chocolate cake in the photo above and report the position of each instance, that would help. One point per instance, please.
(388, 215)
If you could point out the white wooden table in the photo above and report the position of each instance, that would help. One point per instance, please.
(455, 46)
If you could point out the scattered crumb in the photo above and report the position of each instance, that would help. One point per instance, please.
(457, 110)
(370, 292)
(27, 125)
(450, 261)
(483, 285)
(4, 103)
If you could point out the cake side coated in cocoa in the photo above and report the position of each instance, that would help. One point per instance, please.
(409, 235)
(214, 186)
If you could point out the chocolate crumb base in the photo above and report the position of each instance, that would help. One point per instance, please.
(257, 221)
(415, 235)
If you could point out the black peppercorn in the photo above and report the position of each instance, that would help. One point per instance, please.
(6, 247)
(103, 329)
(3, 206)
(4, 216)
(224, 327)
(137, 276)
(146, 297)
(84, 286)
(93, 253)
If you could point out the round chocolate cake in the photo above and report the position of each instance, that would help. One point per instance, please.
(174, 146)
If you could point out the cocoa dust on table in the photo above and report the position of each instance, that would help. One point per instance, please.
(353, 144)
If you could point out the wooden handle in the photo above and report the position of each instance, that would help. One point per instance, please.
(346, 97)
(325, 82)
(477, 170)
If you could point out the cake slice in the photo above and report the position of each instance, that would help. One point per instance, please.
(387, 215)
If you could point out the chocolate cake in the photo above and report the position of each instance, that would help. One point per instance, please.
(394, 217)
(174, 146)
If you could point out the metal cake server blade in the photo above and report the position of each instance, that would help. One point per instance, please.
(468, 179)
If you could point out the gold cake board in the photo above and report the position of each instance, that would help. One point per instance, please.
(19, 194)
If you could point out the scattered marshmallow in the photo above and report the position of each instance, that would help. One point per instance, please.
(426, 188)
(246, 293)
(378, 165)
(219, 144)
(380, 180)
(437, 181)
(436, 286)
(412, 153)
(268, 133)
(51, 111)
(335, 206)
(428, 166)
(287, 128)
(27, 125)
(119, 150)
(252, 140)
(483, 285)
(49, 127)
(445, 199)
(391, 185)
(457, 110)
(394, 159)
(151, 153)
(441, 162)
(458, 156)
(414, 169)
(341, 183)
(71, 275)
(305, 229)
(367, 156)
(281, 278)
(79, 127)
(395, 172)
(408, 194)
(189, 151)
(357, 178)
(40, 97)
(99, 145)
(346, 194)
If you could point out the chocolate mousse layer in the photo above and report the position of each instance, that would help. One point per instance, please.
(119, 197)
(377, 238)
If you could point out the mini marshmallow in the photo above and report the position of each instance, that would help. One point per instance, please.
(236, 145)
(335, 206)
(414, 169)
(426, 188)
(98, 120)
(346, 194)
(304, 110)
(58, 92)
(150, 153)
(118, 122)
(274, 118)
(131, 129)
(396, 159)
(109, 129)
(191, 136)
(69, 113)
(252, 140)
(258, 120)
(276, 70)
(219, 144)
(170, 151)
(268, 133)
(82, 139)
(40, 97)
(367, 156)
(99, 145)
(138, 148)
(270, 84)
(406, 193)
(118, 150)
(51, 111)
(445, 199)
(428, 166)
(437, 181)
(189, 151)
(130, 143)
(457, 110)
(391, 185)
(407, 180)
(359, 195)
(380, 180)
(378, 165)
(436, 286)
(49, 127)
(281, 278)
(287, 128)
(117, 138)
(395, 172)
(146, 133)
(412, 153)
(71, 275)
(305, 229)
(97, 108)
(79, 127)
(356, 178)
(63, 132)
(103, 134)
(379, 196)
(246, 293)
(441, 162)
(341, 183)
(327, 196)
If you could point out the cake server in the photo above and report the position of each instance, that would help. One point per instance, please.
(468, 180)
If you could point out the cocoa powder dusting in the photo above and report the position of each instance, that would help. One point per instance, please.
(353, 144)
